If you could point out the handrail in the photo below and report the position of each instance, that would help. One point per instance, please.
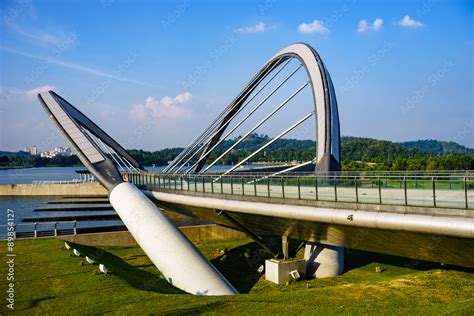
(430, 190)
(73, 181)
(37, 225)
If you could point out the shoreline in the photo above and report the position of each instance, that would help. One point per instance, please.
(70, 189)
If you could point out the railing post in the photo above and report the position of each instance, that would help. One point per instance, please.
(465, 192)
(282, 187)
(55, 229)
(181, 183)
(231, 185)
(187, 182)
(255, 186)
(405, 190)
(175, 183)
(243, 186)
(195, 184)
(203, 184)
(434, 191)
(36, 233)
(316, 187)
(268, 187)
(212, 185)
(299, 187)
(357, 189)
(222, 185)
(380, 191)
(335, 189)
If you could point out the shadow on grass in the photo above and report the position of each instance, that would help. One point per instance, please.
(354, 259)
(241, 270)
(135, 277)
(34, 303)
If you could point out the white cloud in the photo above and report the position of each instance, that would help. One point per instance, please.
(35, 91)
(69, 65)
(364, 26)
(259, 27)
(409, 22)
(166, 108)
(377, 24)
(316, 26)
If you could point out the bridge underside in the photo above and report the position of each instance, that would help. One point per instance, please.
(419, 246)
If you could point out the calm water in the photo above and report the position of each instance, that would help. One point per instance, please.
(24, 206)
(28, 175)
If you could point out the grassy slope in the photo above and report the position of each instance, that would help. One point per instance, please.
(50, 280)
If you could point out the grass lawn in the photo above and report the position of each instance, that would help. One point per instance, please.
(50, 280)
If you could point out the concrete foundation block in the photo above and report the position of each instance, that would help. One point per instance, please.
(278, 271)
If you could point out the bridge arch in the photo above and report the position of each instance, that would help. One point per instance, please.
(328, 155)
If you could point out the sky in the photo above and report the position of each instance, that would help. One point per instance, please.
(402, 70)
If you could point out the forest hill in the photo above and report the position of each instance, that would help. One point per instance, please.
(357, 154)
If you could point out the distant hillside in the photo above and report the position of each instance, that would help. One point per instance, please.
(436, 147)
(14, 154)
(372, 150)
(357, 154)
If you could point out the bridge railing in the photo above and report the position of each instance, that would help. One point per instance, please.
(40, 229)
(429, 190)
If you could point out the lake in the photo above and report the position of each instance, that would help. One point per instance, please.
(28, 175)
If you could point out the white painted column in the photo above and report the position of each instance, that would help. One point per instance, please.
(168, 248)
(323, 261)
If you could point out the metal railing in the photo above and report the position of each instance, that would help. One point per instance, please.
(73, 181)
(41, 229)
(431, 189)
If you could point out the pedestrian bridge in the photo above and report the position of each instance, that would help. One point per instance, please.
(424, 216)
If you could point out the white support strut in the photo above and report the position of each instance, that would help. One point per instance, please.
(168, 248)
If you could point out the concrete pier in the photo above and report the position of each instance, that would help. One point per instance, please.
(323, 261)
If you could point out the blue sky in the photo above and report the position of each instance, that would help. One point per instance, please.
(402, 70)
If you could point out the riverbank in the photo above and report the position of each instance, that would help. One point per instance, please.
(70, 189)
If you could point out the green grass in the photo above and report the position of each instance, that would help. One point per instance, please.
(49, 280)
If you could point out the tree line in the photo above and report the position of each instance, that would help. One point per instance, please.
(357, 154)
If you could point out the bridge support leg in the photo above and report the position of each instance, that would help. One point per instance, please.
(284, 247)
(323, 261)
(168, 248)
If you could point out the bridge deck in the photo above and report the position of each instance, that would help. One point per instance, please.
(405, 217)
(436, 191)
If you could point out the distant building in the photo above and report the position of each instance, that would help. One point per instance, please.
(33, 150)
(58, 151)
